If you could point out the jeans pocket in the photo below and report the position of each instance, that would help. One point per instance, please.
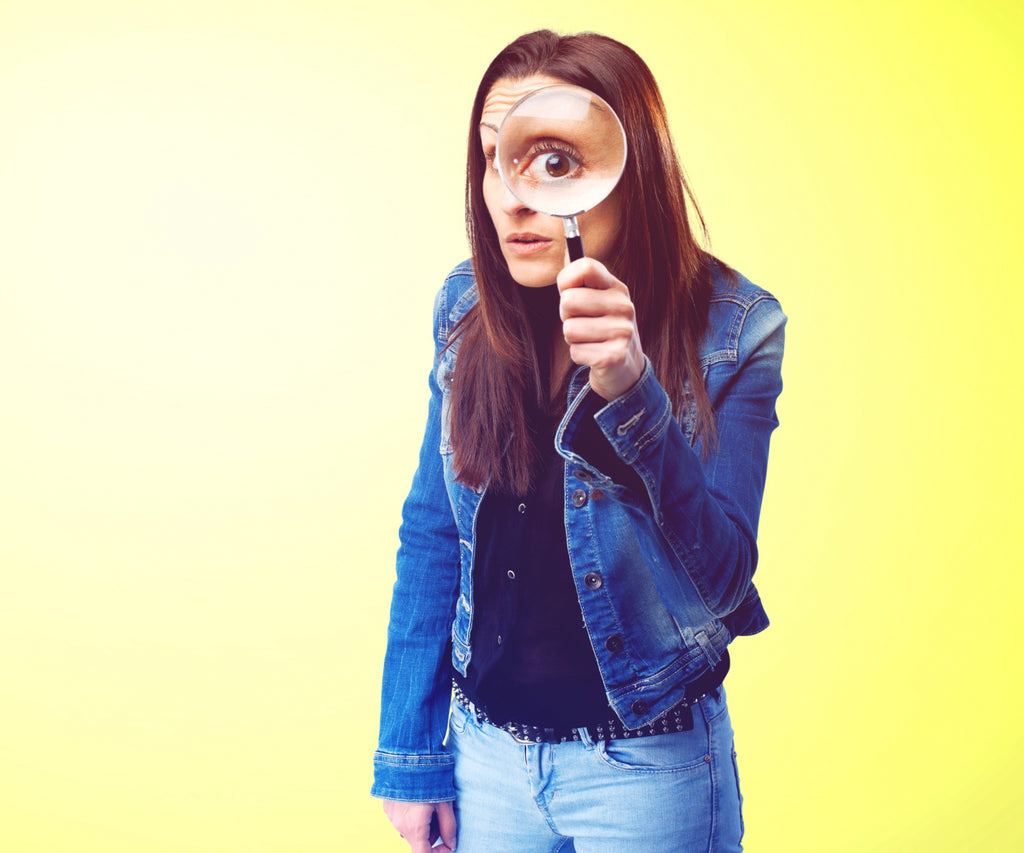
(668, 753)
(457, 719)
(713, 705)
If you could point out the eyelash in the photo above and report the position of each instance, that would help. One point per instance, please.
(547, 145)
(539, 146)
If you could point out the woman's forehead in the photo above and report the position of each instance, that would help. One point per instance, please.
(506, 91)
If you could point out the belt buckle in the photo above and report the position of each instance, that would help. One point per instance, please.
(520, 734)
(531, 735)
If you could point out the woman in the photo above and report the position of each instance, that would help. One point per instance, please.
(578, 544)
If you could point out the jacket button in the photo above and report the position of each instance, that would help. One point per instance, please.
(521, 509)
(614, 643)
(593, 580)
(579, 498)
(639, 707)
(449, 375)
(511, 575)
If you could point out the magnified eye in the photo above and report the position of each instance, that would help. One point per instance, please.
(551, 162)
(557, 165)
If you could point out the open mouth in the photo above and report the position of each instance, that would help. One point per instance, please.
(527, 243)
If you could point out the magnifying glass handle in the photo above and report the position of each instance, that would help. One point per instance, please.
(573, 240)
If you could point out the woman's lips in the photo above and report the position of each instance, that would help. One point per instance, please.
(527, 243)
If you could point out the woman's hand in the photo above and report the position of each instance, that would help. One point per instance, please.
(599, 324)
(415, 823)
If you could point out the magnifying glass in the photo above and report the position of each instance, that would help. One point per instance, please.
(561, 150)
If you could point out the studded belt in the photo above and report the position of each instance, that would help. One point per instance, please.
(678, 719)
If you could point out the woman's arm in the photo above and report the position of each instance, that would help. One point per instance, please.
(411, 763)
(706, 505)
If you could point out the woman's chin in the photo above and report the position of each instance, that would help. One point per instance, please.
(533, 274)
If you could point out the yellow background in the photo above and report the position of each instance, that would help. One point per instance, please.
(221, 228)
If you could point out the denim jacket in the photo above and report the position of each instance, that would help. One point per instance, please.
(663, 578)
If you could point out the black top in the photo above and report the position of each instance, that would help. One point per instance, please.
(532, 660)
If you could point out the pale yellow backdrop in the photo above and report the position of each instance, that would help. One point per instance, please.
(221, 228)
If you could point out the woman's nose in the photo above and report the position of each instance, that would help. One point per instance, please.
(511, 205)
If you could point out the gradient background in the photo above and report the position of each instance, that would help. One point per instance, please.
(221, 228)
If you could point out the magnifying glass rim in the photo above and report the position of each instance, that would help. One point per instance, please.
(594, 96)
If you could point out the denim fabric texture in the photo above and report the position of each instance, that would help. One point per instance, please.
(661, 794)
(664, 577)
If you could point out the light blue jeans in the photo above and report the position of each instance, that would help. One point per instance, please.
(671, 793)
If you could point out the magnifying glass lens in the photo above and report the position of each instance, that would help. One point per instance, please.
(561, 150)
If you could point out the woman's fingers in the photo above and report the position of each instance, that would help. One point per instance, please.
(587, 289)
(586, 272)
(416, 823)
(612, 328)
(446, 825)
(599, 324)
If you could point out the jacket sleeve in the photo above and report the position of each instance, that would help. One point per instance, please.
(411, 762)
(705, 505)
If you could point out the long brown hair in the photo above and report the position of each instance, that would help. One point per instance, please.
(666, 270)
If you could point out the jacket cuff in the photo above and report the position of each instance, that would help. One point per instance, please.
(638, 418)
(413, 778)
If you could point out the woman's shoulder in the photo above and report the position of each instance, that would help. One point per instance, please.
(740, 313)
(730, 288)
(457, 295)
